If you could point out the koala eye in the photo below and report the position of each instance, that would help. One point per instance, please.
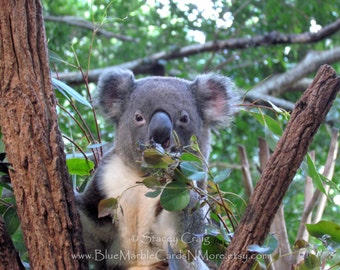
(184, 119)
(139, 119)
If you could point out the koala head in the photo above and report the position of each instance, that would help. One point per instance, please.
(150, 109)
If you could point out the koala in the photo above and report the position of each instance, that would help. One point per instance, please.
(143, 235)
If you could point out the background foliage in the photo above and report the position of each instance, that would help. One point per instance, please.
(128, 30)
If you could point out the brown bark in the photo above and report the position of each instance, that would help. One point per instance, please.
(305, 120)
(34, 146)
(9, 258)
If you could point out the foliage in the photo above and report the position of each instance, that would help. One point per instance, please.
(317, 255)
(172, 176)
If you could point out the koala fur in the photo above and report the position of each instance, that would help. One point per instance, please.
(143, 234)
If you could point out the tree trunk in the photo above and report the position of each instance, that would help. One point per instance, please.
(34, 146)
(309, 113)
(9, 258)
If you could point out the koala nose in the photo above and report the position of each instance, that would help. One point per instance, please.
(160, 129)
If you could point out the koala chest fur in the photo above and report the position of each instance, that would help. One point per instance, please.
(140, 230)
(140, 234)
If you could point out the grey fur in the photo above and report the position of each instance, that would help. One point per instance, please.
(194, 108)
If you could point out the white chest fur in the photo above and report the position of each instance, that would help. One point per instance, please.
(143, 233)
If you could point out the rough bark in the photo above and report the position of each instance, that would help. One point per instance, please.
(34, 146)
(305, 120)
(9, 258)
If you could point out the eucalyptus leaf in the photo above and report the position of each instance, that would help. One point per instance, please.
(155, 158)
(69, 92)
(154, 193)
(325, 228)
(187, 156)
(194, 143)
(175, 197)
(214, 247)
(313, 173)
(312, 262)
(106, 207)
(151, 182)
(269, 248)
(180, 177)
(272, 124)
(11, 219)
(222, 176)
(96, 145)
(193, 170)
(79, 166)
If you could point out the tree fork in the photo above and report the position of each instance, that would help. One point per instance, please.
(34, 146)
(308, 114)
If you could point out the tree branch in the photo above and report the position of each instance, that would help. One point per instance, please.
(261, 99)
(141, 66)
(278, 227)
(305, 120)
(248, 183)
(82, 23)
(313, 60)
(328, 172)
(301, 85)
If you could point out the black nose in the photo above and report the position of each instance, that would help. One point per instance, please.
(160, 129)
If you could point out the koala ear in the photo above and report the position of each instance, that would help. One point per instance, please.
(114, 87)
(216, 98)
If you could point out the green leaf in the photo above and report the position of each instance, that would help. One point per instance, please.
(96, 145)
(180, 177)
(272, 124)
(175, 197)
(300, 243)
(331, 182)
(11, 220)
(194, 143)
(222, 176)
(282, 112)
(259, 117)
(106, 207)
(265, 249)
(189, 157)
(151, 182)
(325, 228)
(312, 262)
(277, 109)
(6, 186)
(79, 166)
(154, 193)
(198, 176)
(157, 158)
(214, 247)
(313, 173)
(193, 170)
(68, 91)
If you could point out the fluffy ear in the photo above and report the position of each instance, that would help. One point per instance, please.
(114, 87)
(216, 98)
